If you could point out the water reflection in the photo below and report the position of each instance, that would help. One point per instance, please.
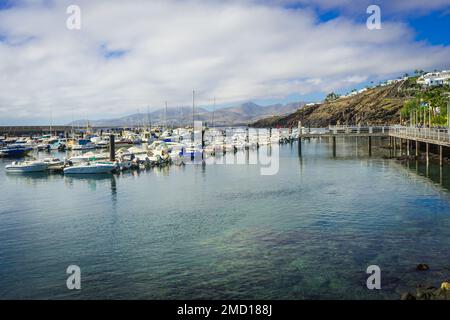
(32, 178)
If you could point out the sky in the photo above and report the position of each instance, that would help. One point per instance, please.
(134, 55)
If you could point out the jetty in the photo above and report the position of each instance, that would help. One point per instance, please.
(333, 132)
(412, 138)
(407, 140)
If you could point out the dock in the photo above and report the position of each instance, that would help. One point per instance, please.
(408, 140)
(412, 138)
(333, 132)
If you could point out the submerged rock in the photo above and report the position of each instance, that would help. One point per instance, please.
(427, 293)
(408, 296)
(422, 267)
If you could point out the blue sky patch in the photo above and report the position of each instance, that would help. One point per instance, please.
(112, 54)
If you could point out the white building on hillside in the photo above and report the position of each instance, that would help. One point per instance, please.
(431, 79)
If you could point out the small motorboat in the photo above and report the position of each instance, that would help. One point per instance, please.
(92, 168)
(54, 163)
(89, 157)
(26, 166)
(15, 150)
(82, 147)
(43, 147)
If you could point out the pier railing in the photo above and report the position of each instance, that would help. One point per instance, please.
(432, 134)
(358, 129)
(347, 130)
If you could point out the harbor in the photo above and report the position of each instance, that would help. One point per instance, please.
(220, 158)
(308, 231)
(110, 150)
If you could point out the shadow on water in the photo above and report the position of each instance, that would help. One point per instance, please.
(89, 177)
(433, 172)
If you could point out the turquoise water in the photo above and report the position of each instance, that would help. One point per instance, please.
(227, 232)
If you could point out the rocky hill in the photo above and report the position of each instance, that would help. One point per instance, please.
(379, 105)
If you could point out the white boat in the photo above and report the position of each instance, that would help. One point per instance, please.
(91, 168)
(43, 146)
(26, 166)
(89, 156)
(82, 147)
(54, 163)
(176, 159)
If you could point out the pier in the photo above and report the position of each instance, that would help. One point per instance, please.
(406, 140)
(333, 132)
(414, 137)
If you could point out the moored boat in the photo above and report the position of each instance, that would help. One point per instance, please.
(15, 151)
(54, 163)
(92, 168)
(26, 166)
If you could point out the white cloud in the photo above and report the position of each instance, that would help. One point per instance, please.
(234, 51)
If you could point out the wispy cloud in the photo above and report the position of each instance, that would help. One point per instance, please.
(132, 54)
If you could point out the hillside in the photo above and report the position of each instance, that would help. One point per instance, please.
(231, 116)
(379, 105)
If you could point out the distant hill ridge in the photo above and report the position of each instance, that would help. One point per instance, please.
(378, 105)
(231, 116)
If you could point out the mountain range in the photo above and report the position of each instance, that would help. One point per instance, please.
(231, 116)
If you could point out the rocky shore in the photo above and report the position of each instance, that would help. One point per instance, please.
(428, 292)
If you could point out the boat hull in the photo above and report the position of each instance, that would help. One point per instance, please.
(26, 169)
(15, 153)
(90, 169)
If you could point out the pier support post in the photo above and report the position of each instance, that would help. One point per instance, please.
(370, 146)
(417, 148)
(299, 129)
(441, 158)
(427, 155)
(300, 146)
(395, 145)
(407, 147)
(203, 142)
(334, 146)
(401, 147)
(112, 148)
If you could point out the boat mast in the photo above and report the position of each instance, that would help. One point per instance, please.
(165, 116)
(193, 108)
(73, 135)
(193, 115)
(214, 110)
(51, 122)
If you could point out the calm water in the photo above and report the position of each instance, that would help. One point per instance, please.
(225, 231)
